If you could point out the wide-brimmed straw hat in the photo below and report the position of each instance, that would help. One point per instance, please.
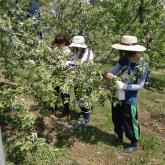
(79, 42)
(129, 43)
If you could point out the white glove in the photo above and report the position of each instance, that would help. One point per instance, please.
(120, 85)
(69, 63)
(121, 94)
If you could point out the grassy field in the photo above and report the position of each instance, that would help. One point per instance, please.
(95, 144)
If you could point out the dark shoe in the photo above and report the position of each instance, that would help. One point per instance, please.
(80, 113)
(83, 124)
(132, 148)
(65, 113)
(66, 109)
(86, 118)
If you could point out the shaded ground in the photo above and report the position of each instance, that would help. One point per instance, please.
(95, 144)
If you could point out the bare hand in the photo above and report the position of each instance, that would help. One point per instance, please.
(110, 76)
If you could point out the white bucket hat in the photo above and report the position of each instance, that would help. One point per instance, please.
(79, 42)
(129, 43)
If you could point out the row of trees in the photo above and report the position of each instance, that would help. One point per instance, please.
(28, 58)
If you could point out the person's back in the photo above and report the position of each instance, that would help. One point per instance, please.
(83, 56)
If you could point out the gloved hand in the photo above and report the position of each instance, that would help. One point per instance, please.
(70, 63)
(121, 94)
(120, 85)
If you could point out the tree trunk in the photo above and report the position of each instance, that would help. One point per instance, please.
(2, 160)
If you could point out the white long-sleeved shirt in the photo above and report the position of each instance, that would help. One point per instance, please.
(87, 57)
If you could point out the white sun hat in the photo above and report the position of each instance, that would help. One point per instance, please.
(129, 43)
(79, 42)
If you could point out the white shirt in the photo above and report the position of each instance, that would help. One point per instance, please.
(87, 57)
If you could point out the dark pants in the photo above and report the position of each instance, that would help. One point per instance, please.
(65, 97)
(86, 114)
(125, 119)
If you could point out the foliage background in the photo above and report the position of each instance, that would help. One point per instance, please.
(31, 61)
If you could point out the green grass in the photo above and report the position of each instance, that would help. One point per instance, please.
(95, 144)
(152, 99)
(99, 134)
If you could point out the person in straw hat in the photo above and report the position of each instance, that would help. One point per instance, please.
(82, 54)
(132, 70)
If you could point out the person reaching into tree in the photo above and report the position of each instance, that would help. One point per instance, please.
(62, 44)
(82, 55)
(132, 70)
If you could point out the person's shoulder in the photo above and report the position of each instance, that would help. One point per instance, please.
(143, 67)
(143, 62)
(89, 51)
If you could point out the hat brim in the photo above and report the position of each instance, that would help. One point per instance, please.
(78, 45)
(136, 48)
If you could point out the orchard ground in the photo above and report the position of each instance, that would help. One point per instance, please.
(95, 144)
